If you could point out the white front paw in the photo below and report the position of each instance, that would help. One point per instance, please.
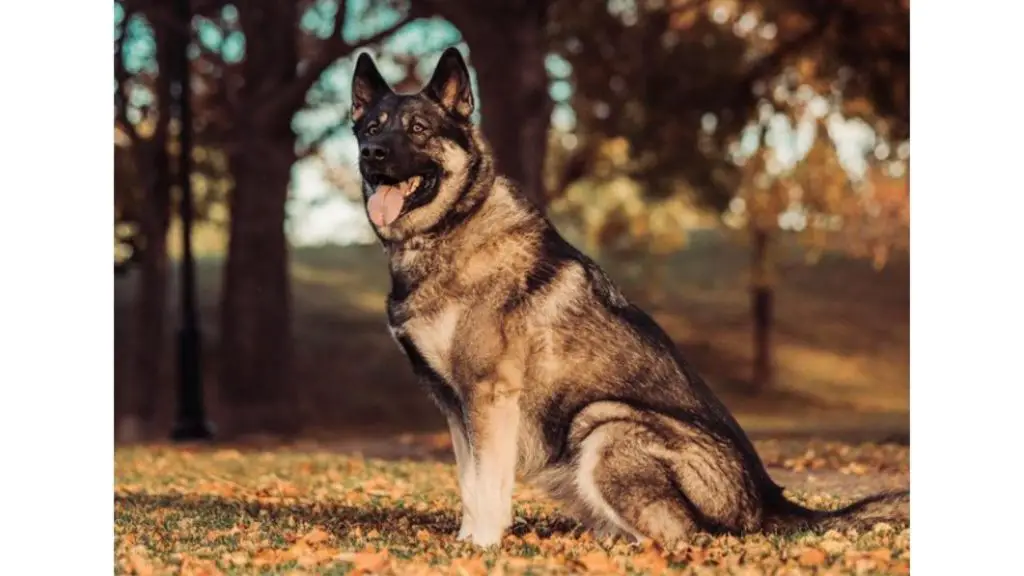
(465, 529)
(487, 536)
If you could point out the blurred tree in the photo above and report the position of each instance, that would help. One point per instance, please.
(254, 65)
(283, 59)
(142, 196)
(689, 85)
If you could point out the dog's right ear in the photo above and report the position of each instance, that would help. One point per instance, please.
(367, 86)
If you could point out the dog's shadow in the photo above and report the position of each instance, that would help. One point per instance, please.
(339, 519)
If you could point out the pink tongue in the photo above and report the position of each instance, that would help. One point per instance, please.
(385, 205)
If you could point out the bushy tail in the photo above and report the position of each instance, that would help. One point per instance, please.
(889, 507)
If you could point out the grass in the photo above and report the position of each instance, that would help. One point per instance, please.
(315, 509)
(841, 340)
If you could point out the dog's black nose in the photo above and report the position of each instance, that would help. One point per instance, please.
(373, 152)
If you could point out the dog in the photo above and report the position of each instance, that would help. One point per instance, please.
(536, 359)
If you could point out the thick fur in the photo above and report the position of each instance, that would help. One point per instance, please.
(540, 364)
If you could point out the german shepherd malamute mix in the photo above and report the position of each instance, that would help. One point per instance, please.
(538, 361)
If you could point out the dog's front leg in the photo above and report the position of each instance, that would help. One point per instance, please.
(466, 466)
(494, 433)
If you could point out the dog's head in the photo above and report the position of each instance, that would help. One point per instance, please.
(418, 153)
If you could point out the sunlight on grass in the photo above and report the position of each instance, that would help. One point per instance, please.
(291, 511)
(344, 287)
(841, 338)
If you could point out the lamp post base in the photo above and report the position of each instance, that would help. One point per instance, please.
(192, 430)
(191, 423)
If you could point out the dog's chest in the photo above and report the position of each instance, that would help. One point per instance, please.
(432, 336)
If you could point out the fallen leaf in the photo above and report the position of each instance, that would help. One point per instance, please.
(191, 566)
(316, 536)
(237, 558)
(900, 568)
(883, 554)
(651, 561)
(212, 535)
(366, 561)
(140, 565)
(269, 557)
(812, 557)
(882, 528)
(469, 566)
(288, 490)
(599, 562)
(299, 549)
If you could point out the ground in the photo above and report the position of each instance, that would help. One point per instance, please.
(390, 507)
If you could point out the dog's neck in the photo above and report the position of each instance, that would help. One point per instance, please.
(501, 212)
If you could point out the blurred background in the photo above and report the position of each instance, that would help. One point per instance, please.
(739, 167)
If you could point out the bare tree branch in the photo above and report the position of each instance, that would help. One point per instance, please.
(334, 49)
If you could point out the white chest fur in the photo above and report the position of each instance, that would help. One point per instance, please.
(433, 337)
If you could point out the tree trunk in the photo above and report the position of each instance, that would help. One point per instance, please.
(149, 372)
(256, 301)
(256, 332)
(149, 333)
(515, 106)
(761, 305)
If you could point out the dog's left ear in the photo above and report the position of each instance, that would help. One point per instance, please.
(450, 84)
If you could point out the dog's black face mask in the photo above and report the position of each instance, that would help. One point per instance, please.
(401, 136)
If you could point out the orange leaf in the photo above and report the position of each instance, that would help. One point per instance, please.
(269, 557)
(812, 557)
(883, 554)
(191, 566)
(288, 490)
(651, 561)
(469, 566)
(316, 536)
(235, 558)
(599, 562)
(215, 534)
(366, 561)
(140, 564)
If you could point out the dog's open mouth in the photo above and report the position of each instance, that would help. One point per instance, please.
(389, 196)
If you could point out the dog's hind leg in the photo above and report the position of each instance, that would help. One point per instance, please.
(627, 475)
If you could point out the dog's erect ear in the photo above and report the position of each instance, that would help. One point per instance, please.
(450, 84)
(367, 86)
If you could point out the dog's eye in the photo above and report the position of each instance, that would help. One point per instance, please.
(418, 128)
(373, 129)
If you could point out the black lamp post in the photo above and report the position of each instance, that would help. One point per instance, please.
(190, 423)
